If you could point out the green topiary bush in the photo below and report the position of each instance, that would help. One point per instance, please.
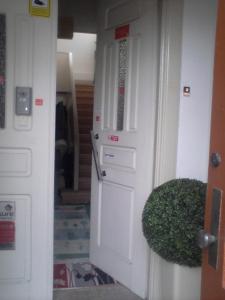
(172, 217)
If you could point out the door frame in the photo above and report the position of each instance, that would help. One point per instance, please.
(212, 273)
(166, 126)
(167, 123)
(51, 184)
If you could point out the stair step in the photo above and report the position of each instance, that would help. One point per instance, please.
(85, 121)
(84, 87)
(85, 130)
(85, 138)
(84, 94)
(85, 113)
(85, 125)
(78, 197)
(84, 116)
(85, 159)
(85, 183)
(84, 107)
(85, 171)
(84, 100)
(85, 148)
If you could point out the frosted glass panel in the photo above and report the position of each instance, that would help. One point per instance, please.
(123, 62)
(2, 69)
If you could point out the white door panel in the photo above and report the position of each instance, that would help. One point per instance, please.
(23, 62)
(27, 153)
(120, 157)
(124, 120)
(114, 196)
(20, 162)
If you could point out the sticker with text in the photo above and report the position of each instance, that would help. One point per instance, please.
(113, 138)
(40, 8)
(122, 32)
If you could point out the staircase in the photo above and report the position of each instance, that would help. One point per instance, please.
(84, 97)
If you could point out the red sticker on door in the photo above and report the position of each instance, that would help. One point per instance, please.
(122, 32)
(7, 234)
(39, 102)
(97, 118)
(113, 138)
(2, 80)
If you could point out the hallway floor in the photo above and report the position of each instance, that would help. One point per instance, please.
(110, 292)
(72, 268)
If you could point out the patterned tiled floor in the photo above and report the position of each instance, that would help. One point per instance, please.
(71, 250)
(72, 232)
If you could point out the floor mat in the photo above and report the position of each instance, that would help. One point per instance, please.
(71, 249)
(79, 275)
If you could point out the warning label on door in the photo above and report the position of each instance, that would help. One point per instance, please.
(7, 225)
(39, 8)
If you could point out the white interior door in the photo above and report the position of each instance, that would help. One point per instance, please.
(124, 120)
(27, 47)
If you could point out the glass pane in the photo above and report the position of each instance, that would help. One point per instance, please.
(2, 69)
(123, 61)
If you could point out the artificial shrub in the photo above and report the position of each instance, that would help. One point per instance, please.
(172, 217)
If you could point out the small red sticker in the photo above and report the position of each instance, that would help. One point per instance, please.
(122, 90)
(7, 232)
(97, 118)
(122, 32)
(2, 80)
(39, 102)
(113, 138)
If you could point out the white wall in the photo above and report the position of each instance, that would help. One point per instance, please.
(199, 25)
(199, 21)
(82, 46)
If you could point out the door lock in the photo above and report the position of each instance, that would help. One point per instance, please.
(103, 173)
(205, 239)
(96, 136)
(215, 159)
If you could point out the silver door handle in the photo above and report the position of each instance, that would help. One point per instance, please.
(100, 173)
(205, 239)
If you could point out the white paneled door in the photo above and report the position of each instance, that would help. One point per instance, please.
(124, 130)
(27, 96)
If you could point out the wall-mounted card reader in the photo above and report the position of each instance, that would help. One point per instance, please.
(23, 103)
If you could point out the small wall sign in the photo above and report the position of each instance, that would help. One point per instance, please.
(40, 8)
